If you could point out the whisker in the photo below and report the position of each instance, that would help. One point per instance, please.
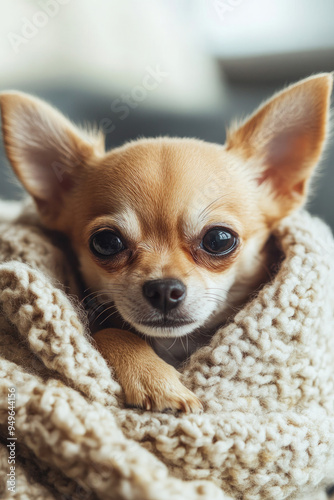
(109, 299)
(182, 344)
(204, 212)
(99, 292)
(171, 346)
(110, 317)
(213, 298)
(103, 311)
(225, 300)
(264, 266)
(93, 310)
(218, 288)
(150, 339)
(191, 270)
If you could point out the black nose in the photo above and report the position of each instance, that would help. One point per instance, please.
(164, 294)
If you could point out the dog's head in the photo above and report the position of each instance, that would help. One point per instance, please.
(170, 230)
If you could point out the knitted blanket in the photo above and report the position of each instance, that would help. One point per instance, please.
(266, 381)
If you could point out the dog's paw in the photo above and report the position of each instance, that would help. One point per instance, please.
(147, 380)
(154, 390)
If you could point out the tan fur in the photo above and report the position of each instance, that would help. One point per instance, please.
(148, 381)
(162, 195)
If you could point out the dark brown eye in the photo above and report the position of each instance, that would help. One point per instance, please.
(218, 241)
(106, 244)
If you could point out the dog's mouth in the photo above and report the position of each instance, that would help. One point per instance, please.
(164, 326)
(165, 323)
(161, 326)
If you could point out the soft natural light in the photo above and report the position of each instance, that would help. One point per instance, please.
(238, 28)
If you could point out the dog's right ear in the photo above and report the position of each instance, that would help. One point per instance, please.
(46, 151)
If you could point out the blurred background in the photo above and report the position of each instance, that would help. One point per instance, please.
(164, 67)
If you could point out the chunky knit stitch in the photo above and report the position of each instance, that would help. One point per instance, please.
(266, 381)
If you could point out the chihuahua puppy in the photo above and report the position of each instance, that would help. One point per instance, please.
(171, 234)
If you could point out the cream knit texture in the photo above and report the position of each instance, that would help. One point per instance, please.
(266, 381)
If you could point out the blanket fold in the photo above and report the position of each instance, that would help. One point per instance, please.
(266, 381)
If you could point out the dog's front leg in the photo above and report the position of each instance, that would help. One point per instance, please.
(148, 381)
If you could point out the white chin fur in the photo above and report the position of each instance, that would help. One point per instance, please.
(166, 332)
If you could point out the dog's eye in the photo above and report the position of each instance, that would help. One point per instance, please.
(219, 241)
(106, 244)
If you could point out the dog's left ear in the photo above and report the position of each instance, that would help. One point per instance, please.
(283, 141)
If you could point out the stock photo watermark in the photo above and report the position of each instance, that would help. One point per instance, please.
(30, 27)
(225, 7)
(153, 78)
(11, 475)
(213, 190)
(121, 107)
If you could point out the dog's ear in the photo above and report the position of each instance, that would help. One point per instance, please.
(45, 149)
(283, 141)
